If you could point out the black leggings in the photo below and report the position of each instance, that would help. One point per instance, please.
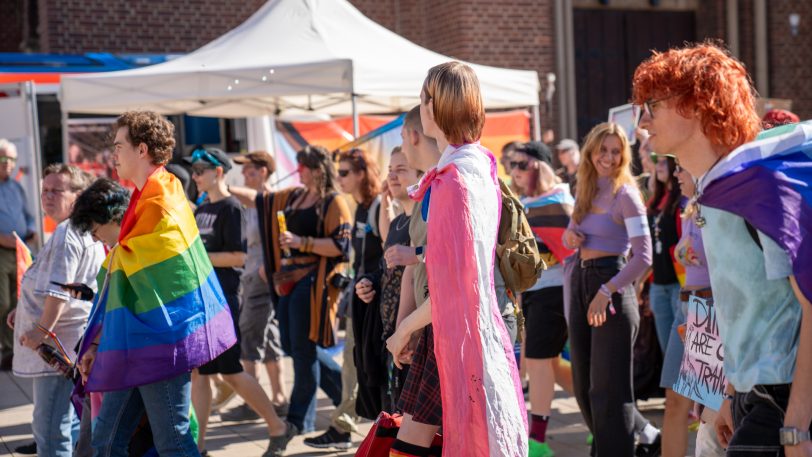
(602, 362)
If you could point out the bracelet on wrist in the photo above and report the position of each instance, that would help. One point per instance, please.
(604, 290)
(728, 397)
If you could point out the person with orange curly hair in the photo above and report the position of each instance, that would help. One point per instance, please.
(698, 104)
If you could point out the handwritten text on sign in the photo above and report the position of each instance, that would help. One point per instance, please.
(701, 375)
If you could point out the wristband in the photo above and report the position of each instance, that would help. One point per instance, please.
(604, 290)
(728, 397)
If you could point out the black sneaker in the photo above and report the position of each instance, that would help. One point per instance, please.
(278, 444)
(242, 413)
(650, 450)
(26, 449)
(331, 438)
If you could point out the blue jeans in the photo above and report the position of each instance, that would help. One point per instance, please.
(664, 299)
(166, 404)
(54, 418)
(308, 372)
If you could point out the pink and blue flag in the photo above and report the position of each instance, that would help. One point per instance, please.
(483, 405)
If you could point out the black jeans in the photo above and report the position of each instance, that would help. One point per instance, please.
(602, 362)
(757, 416)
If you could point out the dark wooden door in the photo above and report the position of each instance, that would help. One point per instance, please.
(609, 45)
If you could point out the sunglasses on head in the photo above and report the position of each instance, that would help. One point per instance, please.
(520, 165)
(343, 173)
(202, 154)
(656, 157)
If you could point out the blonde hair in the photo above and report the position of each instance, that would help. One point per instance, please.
(587, 187)
(458, 108)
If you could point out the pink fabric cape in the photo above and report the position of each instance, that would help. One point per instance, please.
(483, 405)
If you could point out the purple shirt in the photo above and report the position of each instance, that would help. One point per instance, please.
(616, 223)
(690, 252)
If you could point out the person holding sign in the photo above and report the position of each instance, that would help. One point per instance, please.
(690, 253)
(752, 207)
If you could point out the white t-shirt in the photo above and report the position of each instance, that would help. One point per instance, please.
(67, 257)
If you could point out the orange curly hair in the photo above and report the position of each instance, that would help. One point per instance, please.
(703, 78)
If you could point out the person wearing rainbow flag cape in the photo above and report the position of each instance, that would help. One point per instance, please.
(753, 207)
(160, 311)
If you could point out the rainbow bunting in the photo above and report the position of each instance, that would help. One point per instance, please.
(161, 306)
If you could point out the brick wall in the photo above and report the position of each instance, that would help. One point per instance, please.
(155, 26)
(790, 56)
(508, 33)
(11, 25)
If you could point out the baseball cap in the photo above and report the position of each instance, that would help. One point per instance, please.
(567, 144)
(258, 158)
(213, 156)
(537, 150)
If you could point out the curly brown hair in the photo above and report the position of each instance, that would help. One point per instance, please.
(151, 129)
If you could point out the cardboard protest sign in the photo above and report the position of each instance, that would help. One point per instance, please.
(701, 375)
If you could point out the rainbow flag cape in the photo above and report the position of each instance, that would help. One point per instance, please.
(161, 311)
(24, 260)
(483, 405)
(767, 182)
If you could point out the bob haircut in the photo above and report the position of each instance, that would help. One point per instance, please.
(703, 78)
(458, 108)
(587, 188)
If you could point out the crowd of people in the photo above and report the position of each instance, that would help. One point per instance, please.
(182, 301)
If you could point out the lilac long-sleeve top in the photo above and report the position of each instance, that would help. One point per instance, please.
(617, 223)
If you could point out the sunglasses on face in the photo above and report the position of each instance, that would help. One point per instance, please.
(343, 173)
(520, 165)
(5, 159)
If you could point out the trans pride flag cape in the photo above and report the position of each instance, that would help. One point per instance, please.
(767, 182)
(483, 404)
(161, 311)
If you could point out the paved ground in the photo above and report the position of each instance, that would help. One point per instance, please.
(567, 433)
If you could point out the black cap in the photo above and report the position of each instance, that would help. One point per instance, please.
(213, 156)
(538, 151)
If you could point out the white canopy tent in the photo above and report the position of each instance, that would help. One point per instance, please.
(313, 55)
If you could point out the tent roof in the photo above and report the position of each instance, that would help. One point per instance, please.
(306, 54)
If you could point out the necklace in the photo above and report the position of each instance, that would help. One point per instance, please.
(405, 222)
(699, 219)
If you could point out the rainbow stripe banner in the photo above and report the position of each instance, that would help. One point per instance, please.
(161, 311)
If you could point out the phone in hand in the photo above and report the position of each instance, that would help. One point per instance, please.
(85, 292)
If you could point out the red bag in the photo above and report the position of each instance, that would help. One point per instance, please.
(383, 434)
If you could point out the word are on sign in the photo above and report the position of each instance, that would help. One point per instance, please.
(701, 375)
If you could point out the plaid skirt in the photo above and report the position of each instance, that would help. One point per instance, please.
(421, 391)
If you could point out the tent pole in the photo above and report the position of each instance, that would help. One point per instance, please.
(354, 117)
(536, 124)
